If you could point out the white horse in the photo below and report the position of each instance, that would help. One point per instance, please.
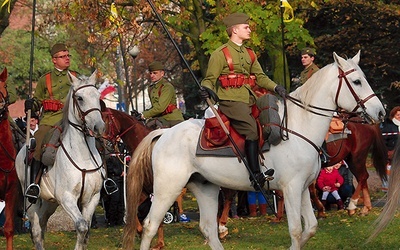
(296, 161)
(75, 179)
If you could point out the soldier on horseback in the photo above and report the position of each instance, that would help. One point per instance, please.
(233, 71)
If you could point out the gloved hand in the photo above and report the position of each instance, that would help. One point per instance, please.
(29, 104)
(208, 93)
(280, 90)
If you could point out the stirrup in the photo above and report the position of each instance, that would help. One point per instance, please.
(33, 194)
(110, 186)
(268, 175)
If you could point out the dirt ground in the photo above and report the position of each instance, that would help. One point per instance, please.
(60, 220)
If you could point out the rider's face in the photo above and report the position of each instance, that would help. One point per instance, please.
(156, 75)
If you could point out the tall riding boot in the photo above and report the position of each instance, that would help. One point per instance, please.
(251, 149)
(263, 209)
(33, 190)
(252, 210)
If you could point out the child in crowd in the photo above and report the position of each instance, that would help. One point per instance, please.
(329, 181)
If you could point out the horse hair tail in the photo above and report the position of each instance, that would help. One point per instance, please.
(139, 178)
(379, 154)
(393, 196)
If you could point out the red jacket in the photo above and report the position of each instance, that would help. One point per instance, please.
(329, 179)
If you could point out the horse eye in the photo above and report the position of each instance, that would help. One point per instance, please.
(357, 82)
(79, 98)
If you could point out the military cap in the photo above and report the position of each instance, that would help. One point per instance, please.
(309, 51)
(236, 18)
(57, 48)
(156, 65)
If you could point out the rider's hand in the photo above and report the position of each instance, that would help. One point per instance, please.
(280, 90)
(206, 93)
(29, 104)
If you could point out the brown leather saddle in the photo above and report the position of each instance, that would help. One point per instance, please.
(213, 141)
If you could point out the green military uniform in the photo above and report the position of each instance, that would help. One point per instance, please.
(308, 72)
(163, 100)
(60, 85)
(242, 65)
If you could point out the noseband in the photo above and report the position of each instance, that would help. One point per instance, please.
(360, 102)
(82, 114)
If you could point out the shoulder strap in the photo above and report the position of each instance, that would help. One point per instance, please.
(252, 55)
(48, 85)
(228, 58)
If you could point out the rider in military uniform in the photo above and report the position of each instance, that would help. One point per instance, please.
(233, 71)
(307, 59)
(50, 94)
(163, 98)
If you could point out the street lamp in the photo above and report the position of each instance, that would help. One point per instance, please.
(134, 52)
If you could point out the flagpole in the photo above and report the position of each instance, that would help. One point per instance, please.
(283, 43)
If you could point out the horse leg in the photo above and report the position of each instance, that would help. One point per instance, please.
(280, 207)
(87, 213)
(309, 220)
(160, 242)
(162, 201)
(10, 199)
(367, 199)
(228, 194)
(38, 215)
(318, 204)
(207, 199)
(293, 202)
(82, 222)
(354, 200)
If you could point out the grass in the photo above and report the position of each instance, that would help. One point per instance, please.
(338, 231)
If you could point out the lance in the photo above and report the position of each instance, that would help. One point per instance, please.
(28, 115)
(209, 103)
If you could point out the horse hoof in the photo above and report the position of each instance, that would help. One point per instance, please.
(351, 212)
(223, 235)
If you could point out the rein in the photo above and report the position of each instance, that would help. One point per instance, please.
(360, 104)
(86, 132)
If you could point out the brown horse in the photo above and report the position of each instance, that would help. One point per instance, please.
(131, 131)
(9, 184)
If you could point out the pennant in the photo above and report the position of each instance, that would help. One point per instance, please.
(288, 14)
(114, 14)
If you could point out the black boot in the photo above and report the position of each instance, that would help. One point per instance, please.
(33, 190)
(251, 149)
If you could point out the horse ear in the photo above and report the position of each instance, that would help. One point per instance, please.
(356, 58)
(92, 78)
(3, 75)
(73, 78)
(339, 60)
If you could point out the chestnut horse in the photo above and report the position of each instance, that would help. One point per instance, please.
(9, 184)
(131, 131)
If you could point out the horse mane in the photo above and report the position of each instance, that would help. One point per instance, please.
(306, 92)
(65, 121)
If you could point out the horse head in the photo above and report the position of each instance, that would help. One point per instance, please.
(3, 92)
(354, 92)
(83, 105)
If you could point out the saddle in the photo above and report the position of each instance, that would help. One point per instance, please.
(214, 141)
(337, 130)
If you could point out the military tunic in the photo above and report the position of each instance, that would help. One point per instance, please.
(162, 94)
(60, 86)
(235, 102)
(308, 72)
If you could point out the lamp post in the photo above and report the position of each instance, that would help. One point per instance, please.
(134, 52)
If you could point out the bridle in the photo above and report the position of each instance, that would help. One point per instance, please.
(4, 102)
(315, 110)
(87, 133)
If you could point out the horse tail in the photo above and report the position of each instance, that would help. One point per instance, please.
(379, 154)
(139, 178)
(393, 195)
